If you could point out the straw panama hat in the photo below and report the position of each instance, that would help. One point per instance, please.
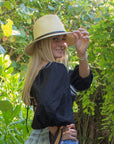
(48, 26)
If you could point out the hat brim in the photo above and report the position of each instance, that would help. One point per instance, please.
(70, 40)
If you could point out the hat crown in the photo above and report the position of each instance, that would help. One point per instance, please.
(46, 25)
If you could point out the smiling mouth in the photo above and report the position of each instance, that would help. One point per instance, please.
(59, 50)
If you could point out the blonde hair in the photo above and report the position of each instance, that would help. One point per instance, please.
(42, 54)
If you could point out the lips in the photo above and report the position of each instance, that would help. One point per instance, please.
(59, 50)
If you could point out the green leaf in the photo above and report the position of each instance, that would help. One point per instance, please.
(17, 110)
(9, 70)
(7, 110)
(51, 8)
(22, 121)
(1, 138)
(5, 105)
(16, 131)
(75, 107)
(14, 139)
(27, 10)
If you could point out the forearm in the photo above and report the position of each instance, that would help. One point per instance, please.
(84, 69)
(81, 45)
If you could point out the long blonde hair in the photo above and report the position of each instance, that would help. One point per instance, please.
(42, 54)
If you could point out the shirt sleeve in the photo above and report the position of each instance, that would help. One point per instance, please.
(78, 82)
(51, 89)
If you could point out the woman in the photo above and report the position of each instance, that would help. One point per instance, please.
(49, 86)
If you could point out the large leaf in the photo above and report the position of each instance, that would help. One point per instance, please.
(7, 110)
(17, 110)
(5, 105)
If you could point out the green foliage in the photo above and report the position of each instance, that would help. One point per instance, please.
(102, 42)
(12, 125)
(94, 108)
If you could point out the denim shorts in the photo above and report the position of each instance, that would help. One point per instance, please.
(69, 142)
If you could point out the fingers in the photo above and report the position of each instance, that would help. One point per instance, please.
(81, 33)
(77, 34)
(66, 137)
(69, 133)
(84, 33)
(71, 126)
(82, 29)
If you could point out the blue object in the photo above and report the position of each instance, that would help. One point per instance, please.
(69, 142)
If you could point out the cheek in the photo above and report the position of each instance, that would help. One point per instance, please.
(53, 46)
(53, 49)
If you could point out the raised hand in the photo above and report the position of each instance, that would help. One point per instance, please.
(82, 41)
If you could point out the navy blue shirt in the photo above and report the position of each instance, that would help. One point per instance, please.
(52, 91)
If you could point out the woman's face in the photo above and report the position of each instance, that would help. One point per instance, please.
(58, 46)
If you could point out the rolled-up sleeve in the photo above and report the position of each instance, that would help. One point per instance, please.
(78, 82)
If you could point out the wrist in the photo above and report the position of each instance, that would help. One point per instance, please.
(82, 57)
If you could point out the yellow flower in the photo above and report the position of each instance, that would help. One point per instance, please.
(7, 29)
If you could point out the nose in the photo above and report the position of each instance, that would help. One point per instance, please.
(62, 43)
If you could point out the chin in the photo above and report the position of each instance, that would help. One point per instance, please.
(59, 56)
